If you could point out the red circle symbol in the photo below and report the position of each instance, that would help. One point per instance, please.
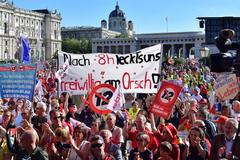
(99, 98)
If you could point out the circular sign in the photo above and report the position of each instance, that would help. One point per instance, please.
(99, 98)
(167, 95)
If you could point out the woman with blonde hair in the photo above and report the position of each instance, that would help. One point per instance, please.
(61, 147)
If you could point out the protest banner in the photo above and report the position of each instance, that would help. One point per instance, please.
(134, 71)
(226, 86)
(165, 99)
(17, 80)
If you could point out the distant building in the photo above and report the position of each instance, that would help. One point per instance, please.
(177, 44)
(174, 44)
(41, 26)
(213, 25)
(117, 25)
(86, 32)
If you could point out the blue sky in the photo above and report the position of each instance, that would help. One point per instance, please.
(148, 16)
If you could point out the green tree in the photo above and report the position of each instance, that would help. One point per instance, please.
(76, 46)
(122, 36)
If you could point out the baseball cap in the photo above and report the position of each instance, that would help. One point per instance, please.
(221, 119)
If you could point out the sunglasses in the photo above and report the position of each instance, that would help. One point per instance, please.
(97, 145)
(23, 113)
(94, 124)
(61, 145)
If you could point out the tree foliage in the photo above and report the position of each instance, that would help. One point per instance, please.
(76, 46)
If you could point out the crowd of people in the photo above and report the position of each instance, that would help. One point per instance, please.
(196, 130)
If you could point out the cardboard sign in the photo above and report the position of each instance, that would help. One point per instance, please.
(226, 86)
(165, 99)
(99, 98)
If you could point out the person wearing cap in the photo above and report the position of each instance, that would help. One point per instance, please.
(226, 145)
(220, 122)
(167, 132)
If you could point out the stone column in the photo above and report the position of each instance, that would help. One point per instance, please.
(184, 51)
(172, 50)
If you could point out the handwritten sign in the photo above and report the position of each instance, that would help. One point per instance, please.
(226, 86)
(135, 71)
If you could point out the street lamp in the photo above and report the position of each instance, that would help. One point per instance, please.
(204, 53)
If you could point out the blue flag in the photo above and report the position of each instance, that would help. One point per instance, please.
(25, 50)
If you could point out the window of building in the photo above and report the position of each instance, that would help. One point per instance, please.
(127, 48)
(55, 34)
(99, 49)
(113, 49)
(5, 28)
(106, 49)
(120, 49)
(114, 24)
(6, 42)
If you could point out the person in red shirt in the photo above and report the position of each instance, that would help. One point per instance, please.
(167, 132)
(131, 134)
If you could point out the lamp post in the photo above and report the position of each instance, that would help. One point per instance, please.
(204, 53)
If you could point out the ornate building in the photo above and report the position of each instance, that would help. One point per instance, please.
(117, 25)
(41, 26)
(174, 44)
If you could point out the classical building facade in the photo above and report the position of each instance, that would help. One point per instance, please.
(174, 44)
(117, 24)
(87, 32)
(41, 26)
(177, 44)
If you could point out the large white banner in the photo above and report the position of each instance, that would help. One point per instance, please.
(136, 72)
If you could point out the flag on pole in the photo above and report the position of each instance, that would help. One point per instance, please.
(39, 90)
(61, 73)
(25, 50)
(75, 123)
(117, 101)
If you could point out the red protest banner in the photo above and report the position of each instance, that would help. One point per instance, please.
(165, 99)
